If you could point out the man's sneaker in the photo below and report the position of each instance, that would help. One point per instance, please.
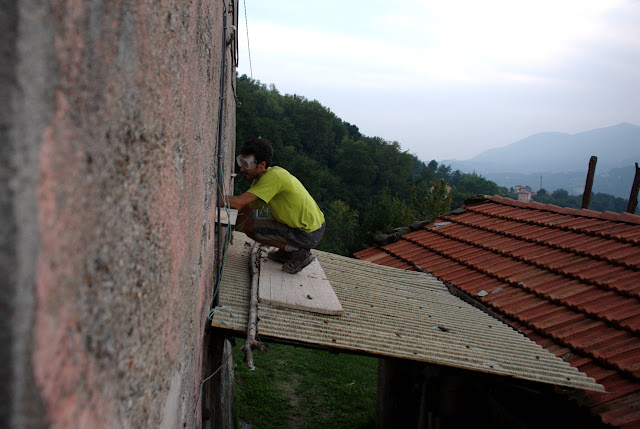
(279, 255)
(299, 259)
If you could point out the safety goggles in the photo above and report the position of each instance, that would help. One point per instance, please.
(246, 161)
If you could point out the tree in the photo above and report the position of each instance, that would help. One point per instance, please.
(343, 233)
(443, 171)
(355, 165)
(433, 202)
(467, 185)
(394, 168)
(385, 213)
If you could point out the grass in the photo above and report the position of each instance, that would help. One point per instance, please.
(294, 387)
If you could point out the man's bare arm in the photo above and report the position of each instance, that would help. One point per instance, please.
(241, 200)
(243, 214)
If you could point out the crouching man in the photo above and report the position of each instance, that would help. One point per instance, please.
(298, 223)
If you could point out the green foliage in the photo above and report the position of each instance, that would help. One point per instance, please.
(599, 202)
(467, 185)
(385, 213)
(433, 202)
(343, 234)
(605, 202)
(345, 171)
(355, 165)
(559, 197)
(395, 168)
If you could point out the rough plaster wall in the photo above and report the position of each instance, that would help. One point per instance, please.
(18, 181)
(110, 143)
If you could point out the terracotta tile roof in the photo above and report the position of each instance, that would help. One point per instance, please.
(569, 279)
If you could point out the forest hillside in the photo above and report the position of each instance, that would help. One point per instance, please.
(366, 186)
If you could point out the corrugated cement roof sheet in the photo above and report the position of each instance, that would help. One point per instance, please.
(397, 313)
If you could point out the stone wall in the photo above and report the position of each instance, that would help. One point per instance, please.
(108, 152)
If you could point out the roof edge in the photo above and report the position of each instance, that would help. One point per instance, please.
(611, 216)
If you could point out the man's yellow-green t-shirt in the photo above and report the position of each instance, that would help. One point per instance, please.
(288, 200)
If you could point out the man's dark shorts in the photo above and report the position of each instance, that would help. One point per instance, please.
(271, 229)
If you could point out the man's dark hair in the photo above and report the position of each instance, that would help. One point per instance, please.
(261, 149)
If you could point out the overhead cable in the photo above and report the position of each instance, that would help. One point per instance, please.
(246, 23)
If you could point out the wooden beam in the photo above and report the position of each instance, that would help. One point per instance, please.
(586, 196)
(633, 197)
(252, 325)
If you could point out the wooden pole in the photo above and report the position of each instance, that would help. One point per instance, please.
(252, 324)
(586, 196)
(633, 198)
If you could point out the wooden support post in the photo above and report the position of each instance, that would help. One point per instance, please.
(586, 196)
(633, 197)
(252, 324)
(217, 402)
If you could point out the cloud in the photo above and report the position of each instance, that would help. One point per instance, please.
(451, 77)
(438, 42)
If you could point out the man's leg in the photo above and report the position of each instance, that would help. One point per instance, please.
(294, 244)
(302, 257)
(248, 229)
(271, 233)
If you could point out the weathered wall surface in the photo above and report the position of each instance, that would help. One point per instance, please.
(108, 193)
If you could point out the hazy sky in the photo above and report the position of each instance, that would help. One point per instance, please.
(449, 79)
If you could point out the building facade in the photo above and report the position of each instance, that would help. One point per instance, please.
(114, 118)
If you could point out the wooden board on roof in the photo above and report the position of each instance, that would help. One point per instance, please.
(308, 290)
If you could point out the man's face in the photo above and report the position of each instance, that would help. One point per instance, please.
(248, 167)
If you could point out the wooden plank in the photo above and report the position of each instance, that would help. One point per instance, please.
(308, 290)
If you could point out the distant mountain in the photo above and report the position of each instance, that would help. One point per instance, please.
(562, 160)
